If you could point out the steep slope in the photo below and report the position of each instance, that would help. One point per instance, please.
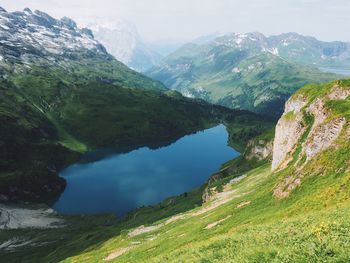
(122, 40)
(313, 127)
(247, 220)
(237, 71)
(62, 94)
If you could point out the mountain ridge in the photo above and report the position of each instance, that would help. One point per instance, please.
(237, 71)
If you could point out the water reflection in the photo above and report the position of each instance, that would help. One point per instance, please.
(122, 182)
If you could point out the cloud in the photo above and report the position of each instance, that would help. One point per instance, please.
(187, 19)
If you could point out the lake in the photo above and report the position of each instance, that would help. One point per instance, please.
(121, 182)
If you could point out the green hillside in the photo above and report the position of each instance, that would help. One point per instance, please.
(246, 218)
(238, 71)
(51, 116)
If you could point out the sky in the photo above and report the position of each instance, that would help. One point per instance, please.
(184, 20)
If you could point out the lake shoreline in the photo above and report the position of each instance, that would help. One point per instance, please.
(152, 165)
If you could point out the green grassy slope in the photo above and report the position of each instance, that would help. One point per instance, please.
(253, 225)
(245, 222)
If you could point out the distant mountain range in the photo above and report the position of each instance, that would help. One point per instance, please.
(123, 41)
(250, 71)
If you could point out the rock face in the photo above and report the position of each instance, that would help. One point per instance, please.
(310, 125)
(259, 150)
(288, 130)
(323, 137)
(28, 36)
(312, 120)
(21, 217)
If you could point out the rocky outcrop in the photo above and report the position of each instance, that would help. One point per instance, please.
(258, 149)
(288, 130)
(323, 137)
(20, 217)
(29, 37)
(293, 125)
(307, 128)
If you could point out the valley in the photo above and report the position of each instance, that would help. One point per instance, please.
(234, 148)
(64, 100)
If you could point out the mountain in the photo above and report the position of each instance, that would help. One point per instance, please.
(283, 203)
(122, 40)
(31, 39)
(244, 71)
(62, 94)
(311, 51)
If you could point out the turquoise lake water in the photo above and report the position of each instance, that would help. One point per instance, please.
(119, 183)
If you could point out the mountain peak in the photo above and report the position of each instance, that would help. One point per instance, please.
(27, 10)
(2, 10)
(69, 22)
(28, 36)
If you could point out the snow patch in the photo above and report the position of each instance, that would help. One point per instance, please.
(236, 70)
(188, 94)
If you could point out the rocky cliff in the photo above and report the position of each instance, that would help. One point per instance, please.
(259, 149)
(311, 119)
(316, 119)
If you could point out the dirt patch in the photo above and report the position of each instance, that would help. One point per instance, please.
(243, 204)
(117, 253)
(210, 226)
(285, 187)
(144, 229)
(218, 200)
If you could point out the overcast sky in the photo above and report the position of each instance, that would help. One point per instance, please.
(187, 19)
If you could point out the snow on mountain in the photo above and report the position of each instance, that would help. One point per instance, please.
(28, 36)
(291, 46)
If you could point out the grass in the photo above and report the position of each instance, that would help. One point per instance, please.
(339, 108)
(310, 226)
(252, 225)
(289, 116)
(314, 91)
(267, 136)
